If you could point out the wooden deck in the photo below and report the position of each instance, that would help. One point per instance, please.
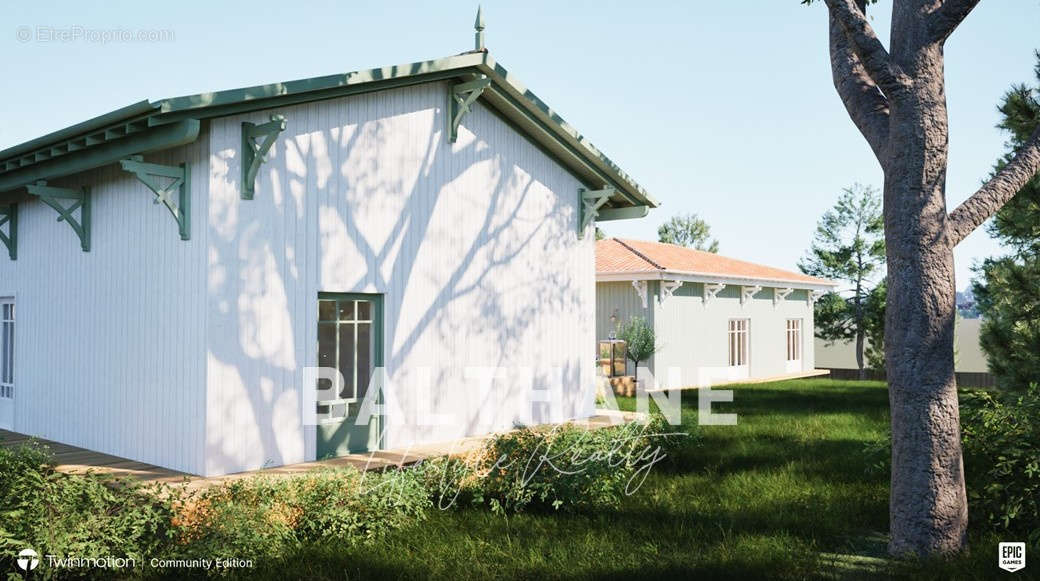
(75, 460)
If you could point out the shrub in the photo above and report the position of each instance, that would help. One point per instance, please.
(95, 515)
(566, 467)
(66, 514)
(1001, 443)
(1002, 459)
(269, 517)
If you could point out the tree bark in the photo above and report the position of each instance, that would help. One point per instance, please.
(928, 504)
(928, 508)
(859, 355)
(897, 98)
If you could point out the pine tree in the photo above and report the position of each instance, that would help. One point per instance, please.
(849, 246)
(1008, 296)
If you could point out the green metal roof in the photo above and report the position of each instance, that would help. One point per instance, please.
(152, 126)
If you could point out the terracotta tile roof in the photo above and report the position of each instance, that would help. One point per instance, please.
(616, 255)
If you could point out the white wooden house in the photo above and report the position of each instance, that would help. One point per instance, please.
(716, 319)
(424, 218)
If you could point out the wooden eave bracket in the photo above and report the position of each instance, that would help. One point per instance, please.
(589, 204)
(9, 222)
(748, 292)
(711, 290)
(65, 202)
(668, 288)
(462, 97)
(257, 141)
(152, 174)
(641, 290)
(779, 294)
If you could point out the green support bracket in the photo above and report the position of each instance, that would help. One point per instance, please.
(256, 142)
(462, 97)
(9, 218)
(66, 201)
(151, 174)
(590, 202)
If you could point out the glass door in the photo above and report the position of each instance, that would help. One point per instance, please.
(6, 363)
(350, 340)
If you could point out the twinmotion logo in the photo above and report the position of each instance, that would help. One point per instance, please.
(28, 560)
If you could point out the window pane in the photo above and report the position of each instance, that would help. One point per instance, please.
(326, 310)
(326, 351)
(7, 353)
(364, 357)
(346, 310)
(346, 358)
(364, 310)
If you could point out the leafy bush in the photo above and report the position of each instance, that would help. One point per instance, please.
(1001, 443)
(96, 515)
(566, 467)
(76, 514)
(1002, 459)
(269, 517)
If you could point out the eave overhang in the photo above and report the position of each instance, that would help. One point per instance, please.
(102, 140)
(709, 278)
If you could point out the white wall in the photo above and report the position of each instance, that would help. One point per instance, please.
(189, 355)
(474, 245)
(109, 344)
(968, 356)
(692, 333)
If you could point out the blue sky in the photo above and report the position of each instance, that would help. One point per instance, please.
(725, 109)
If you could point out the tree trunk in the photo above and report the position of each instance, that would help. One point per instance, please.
(859, 354)
(897, 99)
(928, 507)
(859, 325)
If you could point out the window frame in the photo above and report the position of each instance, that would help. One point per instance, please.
(8, 329)
(793, 334)
(374, 320)
(738, 342)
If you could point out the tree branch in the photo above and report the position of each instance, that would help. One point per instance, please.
(997, 191)
(866, 105)
(948, 17)
(864, 42)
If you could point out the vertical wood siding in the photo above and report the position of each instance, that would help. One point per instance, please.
(473, 245)
(110, 344)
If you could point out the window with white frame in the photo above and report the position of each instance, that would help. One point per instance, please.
(794, 339)
(6, 348)
(738, 342)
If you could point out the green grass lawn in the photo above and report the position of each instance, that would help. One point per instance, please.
(785, 494)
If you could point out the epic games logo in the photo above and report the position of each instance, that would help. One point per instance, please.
(1011, 556)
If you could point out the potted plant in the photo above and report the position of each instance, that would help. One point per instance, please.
(641, 341)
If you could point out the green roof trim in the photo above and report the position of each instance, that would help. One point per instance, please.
(65, 151)
(88, 126)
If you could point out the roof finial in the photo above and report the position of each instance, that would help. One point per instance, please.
(479, 26)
